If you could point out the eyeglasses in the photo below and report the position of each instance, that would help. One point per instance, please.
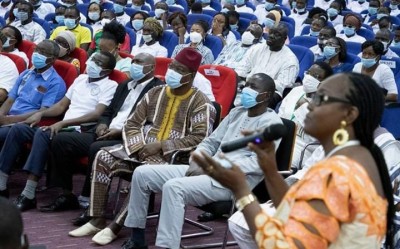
(319, 99)
(312, 74)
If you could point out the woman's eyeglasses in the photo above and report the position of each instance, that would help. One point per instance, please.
(319, 99)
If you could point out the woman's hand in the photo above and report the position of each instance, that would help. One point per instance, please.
(232, 178)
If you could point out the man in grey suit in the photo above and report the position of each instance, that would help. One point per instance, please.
(187, 184)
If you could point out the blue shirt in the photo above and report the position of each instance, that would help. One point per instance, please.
(33, 91)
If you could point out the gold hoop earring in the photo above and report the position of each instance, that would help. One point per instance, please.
(341, 136)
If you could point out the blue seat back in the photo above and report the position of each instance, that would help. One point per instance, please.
(174, 9)
(184, 4)
(285, 9)
(305, 41)
(151, 2)
(216, 4)
(366, 33)
(290, 28)
(45, 25)
(2, 22)
(192, 18)
(130, 11)
(237, 34)
(353, 47)
(214, 44)
(244, 23)
(83, 8)
(394, 64)
(169, 40)
(396, 50)
(132, 37)
(250, 5)
(248, 16)
(211, 13)
(288, 20)
(305, 57)
(352, 59)
(391, 119)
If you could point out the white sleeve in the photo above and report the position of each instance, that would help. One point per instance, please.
(204, 85)
(162, 52)
(8, 73)
(107, 92)
(386, 79)
(244, 68)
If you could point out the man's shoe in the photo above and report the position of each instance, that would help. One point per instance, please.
(104, 237)
(62, 203)
(5, 193)
(82, 219)
(130, 244)
(85, 230)
(23, 203)
(206, 216)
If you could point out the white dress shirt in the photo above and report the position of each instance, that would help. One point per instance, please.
(123, 19)
(4, 10)
(22, 55)
(298, 20)
(244, 9)
(204, 85)
(8, 73)
(155, 49)
(354, 38)
(383, 76)
(356, 7)
(44, 9)
(31, 31)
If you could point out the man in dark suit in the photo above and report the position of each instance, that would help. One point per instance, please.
(67, 148)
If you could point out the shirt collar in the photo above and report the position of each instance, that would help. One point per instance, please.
(46, 74)
(97, 82)
(132, 84)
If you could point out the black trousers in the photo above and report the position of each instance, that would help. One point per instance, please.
(66, 149)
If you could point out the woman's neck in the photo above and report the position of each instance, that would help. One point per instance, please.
(334, 61)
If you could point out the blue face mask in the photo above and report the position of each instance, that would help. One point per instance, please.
(136, 71)
(393, 6)
(137, 7)
(329, 52)
(205, 1)
(39, 60)
(234, 27)
(59, 19)
(170, 2)
(300, 10)
(269, 6)
(93, 70)
(15, 12)
(239, 2)
(224, 10)
(70, 23)
(349, 31)
(173, 79)
(118, 8)
(94, 16)
(332, 12)
(249, 97)
(380, 15)
(269, 23)
(294, 4)
(137, 24)
(372, 10)
(394, 44)
(23, 16)
(314, 33)
(367, 63)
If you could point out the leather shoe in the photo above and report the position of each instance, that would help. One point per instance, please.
(104, 237)
(5, 193)
(23, 203)
(130, 244)
(82, 219)
(62, 203)
(206, 216)
(85, 230)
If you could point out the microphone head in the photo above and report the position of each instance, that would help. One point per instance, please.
(274, 132)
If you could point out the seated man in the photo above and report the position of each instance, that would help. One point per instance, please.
(384, 36)
(8, 72)
(71, 20)
(232, 54)
(35, 89)
(84, 101)
(187, 184)
(169, 118)
(274, 59)
(326, 33)
(30, 30)
(68, 147)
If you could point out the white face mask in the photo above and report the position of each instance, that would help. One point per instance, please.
(248, 38)
(147, 38)
(310, 84)
(104, 21)
(195, 37)
(385, 45)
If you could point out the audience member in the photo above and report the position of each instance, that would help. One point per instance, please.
(176, 117)
(313, 14)
(94, 15)
(316, 26)
(385, 36)
(262, 10)
(272, 20)
(385, 23)
(178, 23)
(326, 33)
(58, 19)
(198, 32)
(183, 185)
(140, 5)
(66, 42)
(335, 54)
(373, 7)
(220, 28)
(152, 33)
(41, 9)
(232, 55)
(29, 29)
(299, 15)
(71, 20)
(242, 8)
(161, 14)
(196, 8)
(11, 227)
(351, 24)
(72, 3)
(357, 6)
(233, 18)
(14, 39)
(396, 38)
(172, 3)
(335, 12)
(5, 7)
(137, 22)
(372, 52)
(119, 10)
(267, 58)
(394, 7)
(8, 72)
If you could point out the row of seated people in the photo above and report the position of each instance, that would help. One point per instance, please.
(26, 200)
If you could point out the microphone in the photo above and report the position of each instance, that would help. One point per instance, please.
(270, 133)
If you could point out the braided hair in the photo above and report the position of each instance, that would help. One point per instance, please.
(365, 95)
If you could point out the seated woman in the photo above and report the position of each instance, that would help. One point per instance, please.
(94, 16)
(335, 12)
(351, 24)
(335, 53)
(220, 28)
(152, 33)
(137, 22)
(66, 41)
(271, 20)
(178, 22)
(161, 14)
(345, 200)
(316, 26)
(14, 39)
(198, 32)
(372, 52)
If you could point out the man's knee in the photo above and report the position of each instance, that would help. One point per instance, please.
(174, 186)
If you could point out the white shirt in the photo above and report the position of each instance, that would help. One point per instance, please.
(395, 12)
(31, 31)
(123, 19)
(244, 9)
(204, 85)
(354, 38)
(317, 52)
(96, 27)
(3, 10)
(337, 21)
(322, 4)
(85, 96)
(299, 20)
(383, 76)
(44, 9)
(356, 7)
(22, 55)
(282, 65)
(8, 73)
(261, 13)
(155, 50)
(126, 108)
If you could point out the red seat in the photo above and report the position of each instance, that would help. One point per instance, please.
(19, 62)
(28, 48)
(223, 83)
(161, 67)
(118, 76)
(125, 55)
(81, 55)
(67, 71)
